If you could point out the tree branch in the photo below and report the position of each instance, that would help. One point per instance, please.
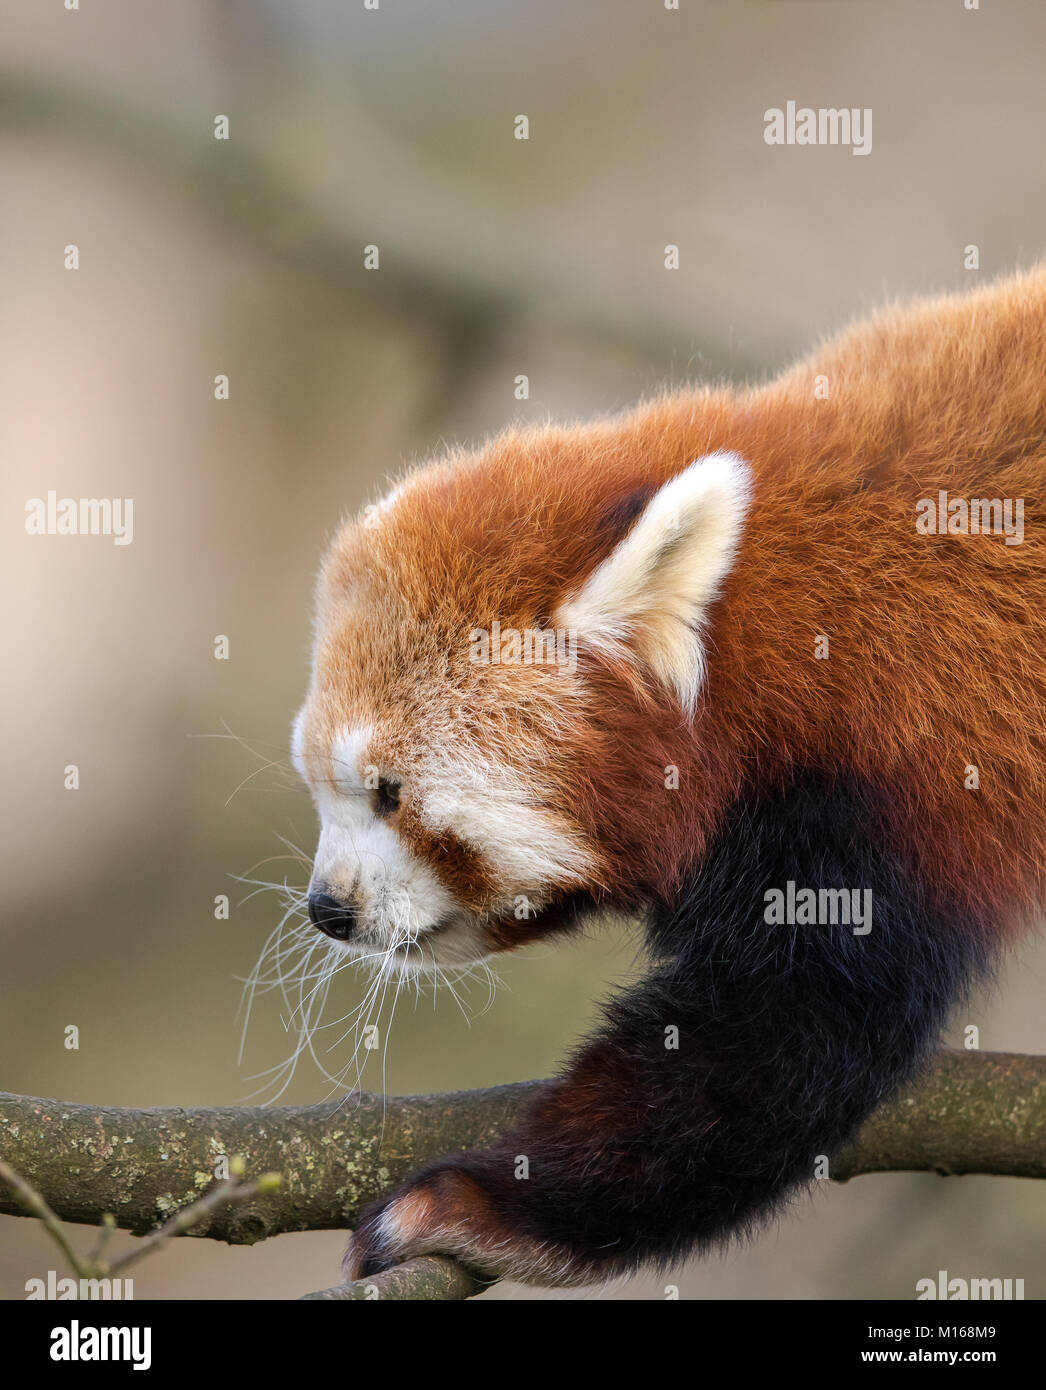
(142, 1165)
(425, 1279)
(971, 1113)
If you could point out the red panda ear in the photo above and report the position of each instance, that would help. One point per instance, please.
(648, 598)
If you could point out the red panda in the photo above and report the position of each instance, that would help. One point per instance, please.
(784, 699)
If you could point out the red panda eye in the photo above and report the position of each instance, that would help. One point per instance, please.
(385, 798)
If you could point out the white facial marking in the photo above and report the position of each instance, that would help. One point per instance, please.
(298, 745)
(398, 897)
(365, 862)
(362, 859)
(493, 811)
(348, 768)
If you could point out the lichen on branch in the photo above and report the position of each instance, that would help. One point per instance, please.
(971, 1112)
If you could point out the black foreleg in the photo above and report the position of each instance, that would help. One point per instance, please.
(753, 1048)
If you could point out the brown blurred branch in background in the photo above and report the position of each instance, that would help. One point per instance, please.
(971, 1113)
(268, 202)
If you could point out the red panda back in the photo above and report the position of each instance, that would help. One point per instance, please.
(935, 682)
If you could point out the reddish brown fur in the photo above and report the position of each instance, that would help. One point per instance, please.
(461, 868)
(937, 651)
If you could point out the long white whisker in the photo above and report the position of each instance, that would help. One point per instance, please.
(300, 964)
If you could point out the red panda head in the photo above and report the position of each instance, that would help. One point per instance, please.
(480, 636)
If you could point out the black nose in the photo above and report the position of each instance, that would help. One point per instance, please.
(333, 918)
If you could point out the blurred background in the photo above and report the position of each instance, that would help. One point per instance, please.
(394, 127)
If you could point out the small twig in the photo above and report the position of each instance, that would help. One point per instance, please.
(231, 1190)
(105, 1234)
(34, 1205)
(95, 1266)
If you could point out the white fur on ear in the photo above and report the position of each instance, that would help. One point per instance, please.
(649, 597)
